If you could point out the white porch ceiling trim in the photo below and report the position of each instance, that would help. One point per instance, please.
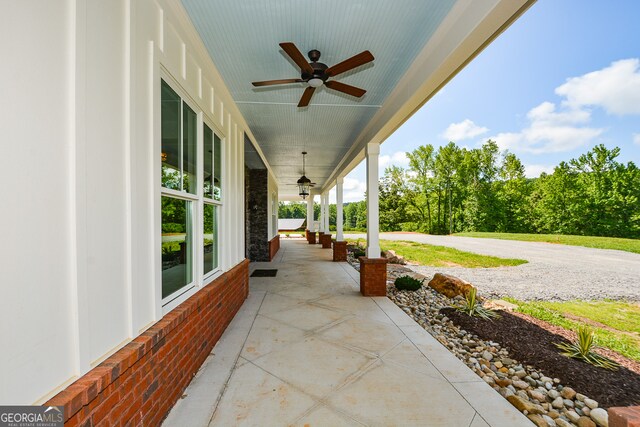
(459, 39)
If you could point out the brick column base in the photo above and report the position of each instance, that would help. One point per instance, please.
(624, 417)
(339, 251)
(320, 234)
(326, 241)
(373, 277)
(311, 237)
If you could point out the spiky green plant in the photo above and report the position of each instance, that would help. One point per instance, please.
(582, 349)
(474, 308)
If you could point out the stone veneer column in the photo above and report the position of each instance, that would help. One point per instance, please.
(258, 215)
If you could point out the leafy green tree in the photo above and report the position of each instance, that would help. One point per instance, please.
(393, 199)
(421, 163)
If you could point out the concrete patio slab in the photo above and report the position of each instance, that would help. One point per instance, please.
(306, 349)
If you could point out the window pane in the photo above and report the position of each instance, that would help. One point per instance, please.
(210, 238)
(189, 147)
(176, 245)
(217, 170)
(208, 162)
(170, 127)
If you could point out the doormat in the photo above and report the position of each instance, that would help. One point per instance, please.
(264, 273)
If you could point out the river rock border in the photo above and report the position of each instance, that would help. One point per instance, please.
(544, 400)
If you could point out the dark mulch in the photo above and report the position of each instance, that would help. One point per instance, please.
(532, 345)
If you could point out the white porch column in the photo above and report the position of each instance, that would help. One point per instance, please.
(310, 218)
(326, 213)
(321, 219)
(373, 229)
(339, 220)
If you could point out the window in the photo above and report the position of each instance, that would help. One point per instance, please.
(176, 245)
(212, 152)
(178, 187)
(190, 197)
(210, 238)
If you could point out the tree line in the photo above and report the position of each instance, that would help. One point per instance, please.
(354, 213)
(453, 189)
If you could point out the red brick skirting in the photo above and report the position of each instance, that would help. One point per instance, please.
(274, 247)
(320, 234)
(624, 417)
(373, 277)
(326, 241)
(140, 383)
(339, 251)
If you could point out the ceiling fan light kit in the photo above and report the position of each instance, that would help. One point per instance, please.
(316, 74)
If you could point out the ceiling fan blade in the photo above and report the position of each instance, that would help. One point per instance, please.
(344, 88)
(351, 63)
(306, 97)
(276, 82)
(298, 58)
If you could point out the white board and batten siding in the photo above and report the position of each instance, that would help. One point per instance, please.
(81, 195)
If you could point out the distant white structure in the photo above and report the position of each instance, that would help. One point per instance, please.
(290, 224)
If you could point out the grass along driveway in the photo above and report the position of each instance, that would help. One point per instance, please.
(616, 324)
(627, 245)
(441, 256)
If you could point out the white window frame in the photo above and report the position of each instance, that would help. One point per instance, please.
(206, 121)
(199, 280)
(171, 301)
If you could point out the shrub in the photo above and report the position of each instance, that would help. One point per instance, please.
(474, 308)
(358, 251)
(582, 350)
(408, 283)
(172, 227)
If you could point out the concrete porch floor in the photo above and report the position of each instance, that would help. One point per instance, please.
(307, 349)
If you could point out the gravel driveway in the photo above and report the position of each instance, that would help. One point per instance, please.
(553, 271)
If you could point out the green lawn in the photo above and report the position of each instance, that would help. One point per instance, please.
(616, 324)
(628, 245)
(441, 256)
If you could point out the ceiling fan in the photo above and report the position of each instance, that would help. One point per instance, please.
(316, 73)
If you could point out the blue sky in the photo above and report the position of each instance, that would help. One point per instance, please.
(563, 78)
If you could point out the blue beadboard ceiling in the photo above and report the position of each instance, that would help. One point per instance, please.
(242, 38)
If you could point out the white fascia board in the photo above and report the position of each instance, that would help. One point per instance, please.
(470, 27)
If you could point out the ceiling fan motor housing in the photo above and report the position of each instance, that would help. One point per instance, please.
(318, 72)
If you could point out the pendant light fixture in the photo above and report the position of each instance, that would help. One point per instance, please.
(304, 183)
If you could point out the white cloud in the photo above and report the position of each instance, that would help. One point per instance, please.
(550, 131)
(534, 171)
(465, 129)
(615, 88)
(636, 138)
(399, 158)
(353, 190)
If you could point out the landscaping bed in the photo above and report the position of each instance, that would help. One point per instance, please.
(516, 355)
(533, 345)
